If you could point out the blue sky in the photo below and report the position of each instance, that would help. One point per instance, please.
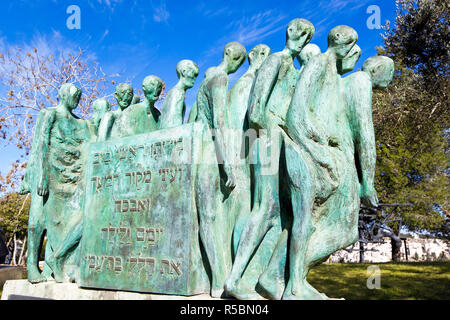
(137, 38)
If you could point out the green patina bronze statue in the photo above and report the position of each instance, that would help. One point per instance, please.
(269, 101)
(124, 96)
(57, 176)
(174, 107)
(100, 108)
(142, 117)
(263, 183)
(212, 104)
(237, 123)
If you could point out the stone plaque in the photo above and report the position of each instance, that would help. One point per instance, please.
(141, 228)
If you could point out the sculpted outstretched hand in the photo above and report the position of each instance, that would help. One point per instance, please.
(42, 186)
(23, 189)
(231, 182)
(368, 196)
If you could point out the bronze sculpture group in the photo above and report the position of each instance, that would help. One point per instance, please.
(295, 155)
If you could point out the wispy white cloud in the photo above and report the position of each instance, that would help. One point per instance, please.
(339, 5)
(105, 34)
(54, 44)
(211, 13)
(161, 14)
(250, 30)
(109, 3)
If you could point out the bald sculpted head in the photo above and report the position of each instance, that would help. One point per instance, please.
(234, 55)
(341, 40)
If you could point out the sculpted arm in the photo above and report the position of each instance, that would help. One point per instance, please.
(104, 129)
(192, 113)
(32, 166)
(301, 119)
(299, 124)
(219, 103)
(363, 134)
(172, 111)
(261, 89)
(46, 128)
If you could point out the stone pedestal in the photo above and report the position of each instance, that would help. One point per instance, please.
(23, 290)
(10, 273)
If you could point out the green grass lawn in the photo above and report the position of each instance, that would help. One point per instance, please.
(398, 281)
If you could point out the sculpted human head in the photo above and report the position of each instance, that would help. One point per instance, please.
(257, 55)
(187, 72)
(100, 107)
(123, 95)
(309, 51)
(380, 69)
(341, 40)
(152, 87)
(234, 55)
(69, 95)
(349, 61)
(298, 33)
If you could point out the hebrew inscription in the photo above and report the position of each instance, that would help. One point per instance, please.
(139, 205)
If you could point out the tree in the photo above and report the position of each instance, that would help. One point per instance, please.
(31, 81)
(14, 210)
(420, 37)
(411, 117)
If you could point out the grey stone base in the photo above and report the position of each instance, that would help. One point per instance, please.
(22, 289)
(11, 273)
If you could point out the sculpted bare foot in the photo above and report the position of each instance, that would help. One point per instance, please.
(230, 287)
(217, 292)
(242, 292)
(272, 288)
(34, 276)
(55, 266)
(304, 291)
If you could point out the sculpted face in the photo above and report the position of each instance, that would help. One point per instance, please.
(124, 95)
(234, 55)
(69, 95)
(341, 40)
(309, 51)
(152, 87)
(74, 97)
(380, 69)
(348, 63)
(187, 71)
(100, 107)
(257, 55)
(299, 32)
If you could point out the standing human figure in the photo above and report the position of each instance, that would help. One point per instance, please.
(323, 179)
(141, 117)
(174, 106)
(124, 97)
(237, 124)
(212, 104)
(100, 108)
(61, 152)
(269, 101)
(272, 281)
(36, 223)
